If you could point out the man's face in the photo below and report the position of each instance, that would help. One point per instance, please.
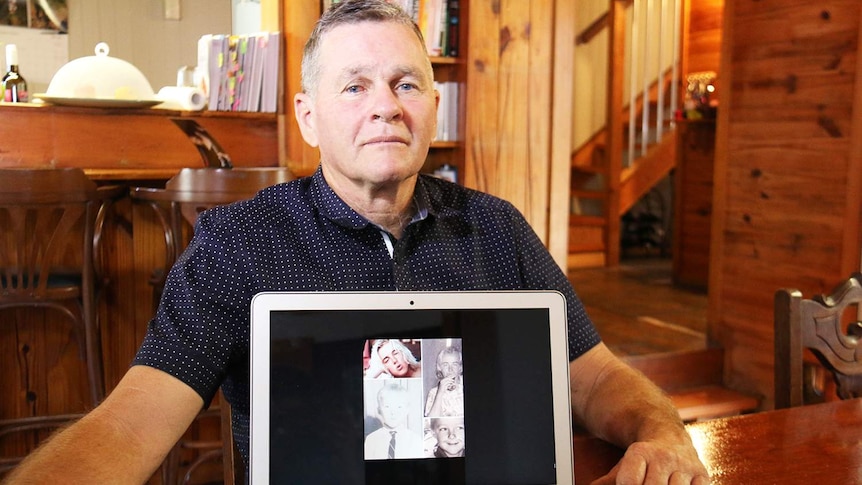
(393, 409)
(450, 435)
(393, 360)
(374, 113)
(450, 365)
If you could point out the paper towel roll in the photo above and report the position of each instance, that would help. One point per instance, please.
(184, 98)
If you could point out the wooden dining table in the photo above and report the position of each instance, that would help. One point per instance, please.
(816, 444)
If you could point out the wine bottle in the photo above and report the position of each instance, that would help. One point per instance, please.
(14, 84)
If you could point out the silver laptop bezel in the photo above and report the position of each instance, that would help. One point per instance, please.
(263, 304)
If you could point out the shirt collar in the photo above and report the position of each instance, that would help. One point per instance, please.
(331, 206)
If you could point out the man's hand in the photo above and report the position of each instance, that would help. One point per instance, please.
(621, 406)
(652, 462)
(449, 385)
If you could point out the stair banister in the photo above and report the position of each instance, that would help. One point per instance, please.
(634, 38)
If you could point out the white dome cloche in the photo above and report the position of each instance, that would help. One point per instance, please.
(100, 77)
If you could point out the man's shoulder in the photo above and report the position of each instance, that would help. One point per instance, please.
(448, 196)
(275, 204)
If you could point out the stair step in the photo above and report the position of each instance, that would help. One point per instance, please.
(693, 381)
(683, 369)
(578, 220)
(710, 402)
(586, 238)
(589, 169)
(589, 194)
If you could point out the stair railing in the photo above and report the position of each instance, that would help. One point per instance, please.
(643, 57)
(657, 20)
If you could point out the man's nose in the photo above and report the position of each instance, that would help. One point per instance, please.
(387, 106)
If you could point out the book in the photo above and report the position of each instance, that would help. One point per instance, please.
(255, 85)
(240, 72)
(452, 29)
(269, 92)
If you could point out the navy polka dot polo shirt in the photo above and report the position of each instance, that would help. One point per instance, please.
(300, 236)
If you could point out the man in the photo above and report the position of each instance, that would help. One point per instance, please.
(364, 221)
(447, 397)
(391, 358)
(394, 440)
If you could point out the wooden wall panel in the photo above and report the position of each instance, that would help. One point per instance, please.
(693, 202)
(298, 21)
(563, 118)
(704, 35)
(509, 85)
(787, 205)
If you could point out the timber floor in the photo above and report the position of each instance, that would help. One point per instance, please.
(638, 310)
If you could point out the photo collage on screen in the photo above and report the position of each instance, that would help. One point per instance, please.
(414, 398)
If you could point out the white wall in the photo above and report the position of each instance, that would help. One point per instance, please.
(137, 32)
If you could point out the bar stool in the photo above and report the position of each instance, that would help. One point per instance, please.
(177, 207)
(50, 227)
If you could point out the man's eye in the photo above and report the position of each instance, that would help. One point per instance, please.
(353, 89)
(406, 87)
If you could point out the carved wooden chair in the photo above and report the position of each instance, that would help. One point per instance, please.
(829, 326)
(50, 227)
(177, 206)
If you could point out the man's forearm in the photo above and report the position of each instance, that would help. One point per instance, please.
(93, 450)
(625, 407)
(124, 440)
(618, 403)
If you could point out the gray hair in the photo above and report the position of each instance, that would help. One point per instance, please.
(449, 351)
(344, 13)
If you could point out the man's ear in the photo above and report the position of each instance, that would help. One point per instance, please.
(302, 109)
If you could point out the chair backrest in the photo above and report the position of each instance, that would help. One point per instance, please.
(198, 189)
(43, 215)
(194, 190)
(827, 325)
(233, 468)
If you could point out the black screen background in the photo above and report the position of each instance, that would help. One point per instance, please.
(316, 402)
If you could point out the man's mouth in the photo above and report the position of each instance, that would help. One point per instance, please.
(385, 139)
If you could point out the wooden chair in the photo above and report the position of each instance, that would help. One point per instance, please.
(177, 206)
(823, 325)
(50, 227)
(194, 190)
(234, 470)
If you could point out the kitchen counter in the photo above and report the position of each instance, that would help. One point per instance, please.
(129, 143)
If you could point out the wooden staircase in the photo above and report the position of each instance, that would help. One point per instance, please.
(598, 205)
(606, 180)
(693, 380)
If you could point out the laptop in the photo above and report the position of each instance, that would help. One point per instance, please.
(410, 387)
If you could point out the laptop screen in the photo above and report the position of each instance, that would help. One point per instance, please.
(410, 390)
